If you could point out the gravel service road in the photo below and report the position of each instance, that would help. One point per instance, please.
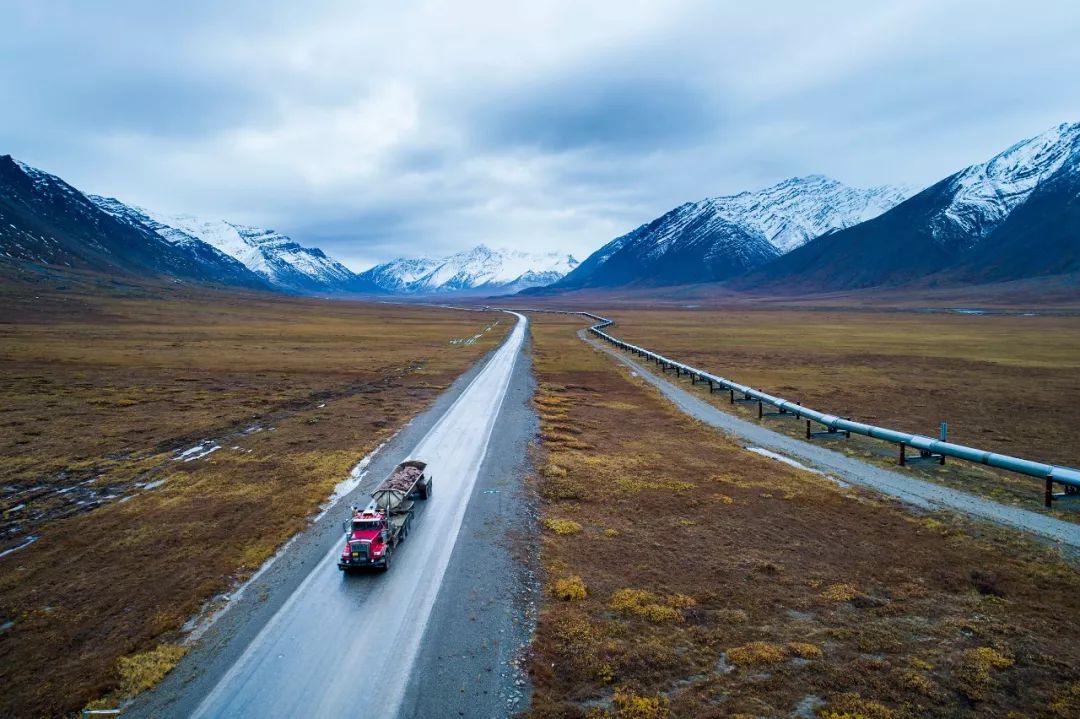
(906, 488)
(306, 640)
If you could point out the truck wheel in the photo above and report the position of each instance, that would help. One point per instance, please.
(386, 563)
(428, 492)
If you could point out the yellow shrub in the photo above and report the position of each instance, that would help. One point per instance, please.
(852, 706)
(554, 470)
(918, 682)
(840, 593)
(805, 650)
(604, 673)
(626, 600)
(659, 613)
(681, 601)
(757, 654)
(973, 674)
(569, 589)
(629, 705)
(562, 526)
(1067, 702)
(609, 532)
(139, 672)
(648, 605)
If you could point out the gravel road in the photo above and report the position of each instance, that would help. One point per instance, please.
(904, 487)
(304, 640)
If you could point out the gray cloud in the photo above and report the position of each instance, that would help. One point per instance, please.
(378, 129)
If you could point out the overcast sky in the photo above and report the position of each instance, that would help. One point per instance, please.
(383, 128)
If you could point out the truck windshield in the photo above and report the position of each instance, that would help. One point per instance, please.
(365, 525)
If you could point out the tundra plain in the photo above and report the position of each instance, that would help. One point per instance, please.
(688, 577)
(159, 444)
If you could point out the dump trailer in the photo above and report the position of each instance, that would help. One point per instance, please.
(374, 532)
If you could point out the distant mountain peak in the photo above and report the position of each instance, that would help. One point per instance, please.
(278, 259)
(44, 220)
(721, 237)
(1014, 216)
(477, 270)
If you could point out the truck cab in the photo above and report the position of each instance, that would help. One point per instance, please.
(366, 540)
(374, 532)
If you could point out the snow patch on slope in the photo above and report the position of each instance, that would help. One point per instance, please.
(795, 211)
(985, 194)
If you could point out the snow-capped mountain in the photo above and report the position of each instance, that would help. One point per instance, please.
(275, 257)
(722, 237)
(399, 274)
(477, 271)
(44, 220)
(1014, 216)
(795, 211)
(983, 196)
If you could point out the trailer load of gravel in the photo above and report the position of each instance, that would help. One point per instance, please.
(406, 480)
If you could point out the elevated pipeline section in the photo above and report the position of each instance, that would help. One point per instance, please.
(1051, 474)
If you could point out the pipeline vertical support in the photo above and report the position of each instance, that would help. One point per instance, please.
(903, 459)
(693, 378)
(731, 396)
(760, 409)
(1048, 500)
(710, 387)
(808, 429)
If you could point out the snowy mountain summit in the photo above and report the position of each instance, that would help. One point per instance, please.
(480, 270)
(721, 237)
(1015, 216)
(795, 211)
(277, 258)
(984, 195)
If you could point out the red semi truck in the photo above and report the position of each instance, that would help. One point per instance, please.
(374, 532)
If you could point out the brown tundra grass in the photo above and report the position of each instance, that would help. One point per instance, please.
(104, 386)
(712, 582)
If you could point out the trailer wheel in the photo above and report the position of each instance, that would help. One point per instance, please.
(427, 491)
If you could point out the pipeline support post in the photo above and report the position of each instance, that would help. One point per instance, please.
(1048, 500)
(903, 458)
(731, 396)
